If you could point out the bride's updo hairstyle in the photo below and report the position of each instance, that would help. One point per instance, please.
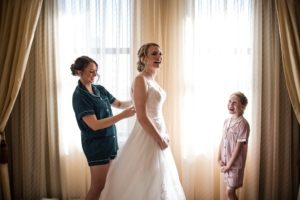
(142, 53)
(81, 63)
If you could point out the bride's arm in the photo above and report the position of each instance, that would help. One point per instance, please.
(140, 98)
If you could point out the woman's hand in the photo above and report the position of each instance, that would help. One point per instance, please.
(128, 112)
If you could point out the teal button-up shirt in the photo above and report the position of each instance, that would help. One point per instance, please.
(99, 104)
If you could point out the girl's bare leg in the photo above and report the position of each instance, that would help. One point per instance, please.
(231, 194)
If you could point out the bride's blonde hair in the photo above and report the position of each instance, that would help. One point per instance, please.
(142, 53)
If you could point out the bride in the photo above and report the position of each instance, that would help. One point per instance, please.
(145, 168)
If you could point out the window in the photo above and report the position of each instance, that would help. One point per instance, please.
(99, 29)
(218, 62)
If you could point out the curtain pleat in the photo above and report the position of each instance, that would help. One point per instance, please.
(20, 20)
(278, 138)
(288, 22)
(18, 23)
(33, 138)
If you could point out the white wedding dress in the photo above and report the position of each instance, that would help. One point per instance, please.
(142, 171)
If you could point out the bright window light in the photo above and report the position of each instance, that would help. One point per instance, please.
(99, 29)
(218, 62)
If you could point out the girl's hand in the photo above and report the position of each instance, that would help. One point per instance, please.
(224, 169)
(221, 163)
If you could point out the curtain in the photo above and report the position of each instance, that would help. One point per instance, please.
(44, 140)
(100, 30)
(289, 23)
(33, 122)
(279, 130)
(18, 23)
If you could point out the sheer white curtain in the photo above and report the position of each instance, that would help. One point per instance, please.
(217, 59)
(99, 29)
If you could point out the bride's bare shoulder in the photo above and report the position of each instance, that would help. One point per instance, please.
(140, 78)
(140, 81)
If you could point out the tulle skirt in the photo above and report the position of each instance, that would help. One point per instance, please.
(142, 171)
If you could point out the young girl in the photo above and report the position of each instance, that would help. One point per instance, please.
(233, 146)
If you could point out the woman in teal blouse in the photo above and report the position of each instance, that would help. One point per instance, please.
(92, 107)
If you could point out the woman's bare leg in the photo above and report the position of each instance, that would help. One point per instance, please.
(98, 177)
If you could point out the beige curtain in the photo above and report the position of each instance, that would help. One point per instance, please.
(33, 124)
(289, 24)
(147, 28)
(18, 23)
(17, 31)
(273, 172)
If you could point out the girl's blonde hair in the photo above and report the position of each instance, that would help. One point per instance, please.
(242, 97)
